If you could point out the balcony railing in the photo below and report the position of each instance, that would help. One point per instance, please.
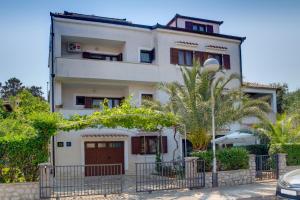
(106, 70)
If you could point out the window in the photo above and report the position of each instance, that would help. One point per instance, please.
(146, 56)
(60, 144)
(101, 145)
(216, 56)
(68, 144)
(99, 56)
(90, 145)
(199, 27)
(149, 145)
(80, 100)
(147, 97)
(115, 144)
(185, 57)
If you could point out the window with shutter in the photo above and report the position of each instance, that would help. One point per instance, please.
(174, 56)
(189, 25)
(209, 28)
(135, 145)
(164, 144)
(88, 102)
(226, 61)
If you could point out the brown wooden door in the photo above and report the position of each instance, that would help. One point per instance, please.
(105, 154)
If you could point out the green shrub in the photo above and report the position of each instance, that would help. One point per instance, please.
(228, 159)
(292, 151)
(232, 159)
(207, 156)
(257, 149)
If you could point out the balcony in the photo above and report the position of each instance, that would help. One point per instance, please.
(69, 112)
(106, 70)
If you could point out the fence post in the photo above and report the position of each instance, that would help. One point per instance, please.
(281, 165)
(252, 167)
(190, 170)
(46, 180)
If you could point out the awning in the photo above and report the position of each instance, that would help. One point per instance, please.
(237, 137)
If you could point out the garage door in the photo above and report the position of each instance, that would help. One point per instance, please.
(104, 158)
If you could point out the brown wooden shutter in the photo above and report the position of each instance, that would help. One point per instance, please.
(164, 144)
(88, 102)
(135, 145)
(189, 25)
(226, 61)
(209, 28)
(173, 56)
(201, 56)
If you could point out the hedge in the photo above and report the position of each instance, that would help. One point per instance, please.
(257, 149)
(227, 159)
(292, 151)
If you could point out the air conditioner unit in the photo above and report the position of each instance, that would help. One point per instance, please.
(74, 47)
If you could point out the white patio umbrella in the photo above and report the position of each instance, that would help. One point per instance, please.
(237, 137)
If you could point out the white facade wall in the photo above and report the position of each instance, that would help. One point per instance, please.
(97, 78)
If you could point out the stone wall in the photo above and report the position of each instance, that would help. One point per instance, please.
(234, 177)
(19, 191)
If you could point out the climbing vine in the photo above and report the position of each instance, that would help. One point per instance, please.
(25, 133)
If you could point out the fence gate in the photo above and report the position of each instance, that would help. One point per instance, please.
(266, 167)
(80, 180)
(170, 175)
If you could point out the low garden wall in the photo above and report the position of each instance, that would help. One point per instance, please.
(19, 191)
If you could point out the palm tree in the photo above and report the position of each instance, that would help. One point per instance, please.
(191, 101)
(286, 129)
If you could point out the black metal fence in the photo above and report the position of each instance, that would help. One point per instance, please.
(266, 167)
(80, 180)
(170, 175)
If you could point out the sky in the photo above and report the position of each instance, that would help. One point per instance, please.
(271, 52)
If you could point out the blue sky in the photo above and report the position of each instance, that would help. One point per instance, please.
(270, 53)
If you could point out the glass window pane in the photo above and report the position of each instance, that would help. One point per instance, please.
(110, 103)
(116, 102)
(201, 28)
(189, 58)
(90, 145)
(146, 56)
(152, 144)
(101, 145)
(96, 103)
(181, 57)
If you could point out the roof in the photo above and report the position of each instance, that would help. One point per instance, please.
(259, 85)
(124, 22)
(194, 18)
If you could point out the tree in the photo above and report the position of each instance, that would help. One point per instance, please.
(286, 129)
(11, 88)
(191, 101)
(36, 91)
(292, 102)
(282, 90)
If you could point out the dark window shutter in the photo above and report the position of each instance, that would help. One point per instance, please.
(135, 145)
(189, 26)
(86, 55)
(164, 144)
(88, 102)
(174, 56)
(201, 56)
(209, 29)
(152, 54)
(226, 61)
(120, 57)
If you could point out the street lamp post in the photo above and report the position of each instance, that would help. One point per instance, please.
(212, 64)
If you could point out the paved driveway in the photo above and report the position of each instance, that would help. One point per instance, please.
(256, 191)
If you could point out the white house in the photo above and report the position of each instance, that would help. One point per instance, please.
(92, 58)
